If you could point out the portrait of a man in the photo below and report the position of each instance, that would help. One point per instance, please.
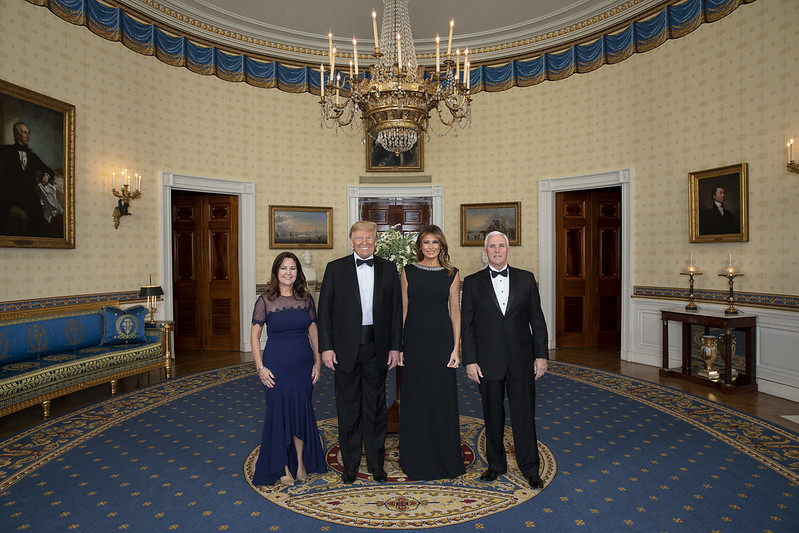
(719, 204)
(36, 163)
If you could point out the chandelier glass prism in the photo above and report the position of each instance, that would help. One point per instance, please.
(395, 97)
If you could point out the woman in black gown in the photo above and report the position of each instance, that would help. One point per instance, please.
(288, 368)
(430, 445)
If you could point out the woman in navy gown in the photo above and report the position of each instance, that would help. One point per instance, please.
(288, 369)
(430, 444)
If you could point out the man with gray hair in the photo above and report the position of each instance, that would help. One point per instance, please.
(504, 343)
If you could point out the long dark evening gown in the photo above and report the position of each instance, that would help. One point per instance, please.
(430, 444)
(289, 410)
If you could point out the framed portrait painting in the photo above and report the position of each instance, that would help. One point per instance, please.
(478, 220)
(37, 170)
(719, 204)
(378, 159)
(300, 227)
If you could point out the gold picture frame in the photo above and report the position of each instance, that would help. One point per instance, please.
(37, 185)
(378, 159)
(300, 227)
(477, 220)
(708, 221)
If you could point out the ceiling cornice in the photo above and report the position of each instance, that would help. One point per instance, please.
(208, 23)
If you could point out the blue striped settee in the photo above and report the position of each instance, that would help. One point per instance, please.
(45, 354)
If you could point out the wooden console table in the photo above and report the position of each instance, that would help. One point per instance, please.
(746, 381)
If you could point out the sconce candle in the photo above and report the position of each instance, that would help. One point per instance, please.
(792, 166)
(125, 194)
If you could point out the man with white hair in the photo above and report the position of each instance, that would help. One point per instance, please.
(504, 343)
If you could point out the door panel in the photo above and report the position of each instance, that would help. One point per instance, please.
(588, 269)
(607, 307)
(205, 271)
(411, 214)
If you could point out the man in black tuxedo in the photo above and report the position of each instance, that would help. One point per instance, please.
(360, 332)
(504, 343)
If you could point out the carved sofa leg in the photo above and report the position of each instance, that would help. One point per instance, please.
(113, 387)
(45, 409)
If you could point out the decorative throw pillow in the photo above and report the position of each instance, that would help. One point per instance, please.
(124, 326)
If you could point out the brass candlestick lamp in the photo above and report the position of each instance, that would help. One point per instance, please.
(151, 292)
(691, 270)
(730, 272)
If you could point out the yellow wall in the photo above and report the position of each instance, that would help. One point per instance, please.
(724, 94)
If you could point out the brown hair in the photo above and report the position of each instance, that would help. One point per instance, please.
(300, 289)
(443, 253)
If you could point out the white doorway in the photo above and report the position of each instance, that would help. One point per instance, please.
(245, 190)
(547, 255)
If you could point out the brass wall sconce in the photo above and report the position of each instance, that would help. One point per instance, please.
(730, 272)
(151, 292)
(125, 194)
(792, 166)
(691, 270)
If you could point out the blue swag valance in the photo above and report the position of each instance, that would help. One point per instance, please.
(669, 21)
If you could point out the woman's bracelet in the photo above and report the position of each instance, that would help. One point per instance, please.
(258, 370)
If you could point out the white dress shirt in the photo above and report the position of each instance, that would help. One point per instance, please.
(501, 288)
(366, 286)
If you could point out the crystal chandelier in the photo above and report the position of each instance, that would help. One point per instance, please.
(395, 96)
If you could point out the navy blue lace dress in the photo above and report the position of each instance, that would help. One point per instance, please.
(289, 410)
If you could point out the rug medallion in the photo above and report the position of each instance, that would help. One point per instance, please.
(402, 503)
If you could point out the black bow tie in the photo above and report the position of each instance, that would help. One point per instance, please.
(503, 273)
(367, 262)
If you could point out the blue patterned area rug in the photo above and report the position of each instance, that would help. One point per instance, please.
(616, 452)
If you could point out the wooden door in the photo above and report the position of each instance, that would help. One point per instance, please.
(205, 271)
(588, 269)
(412, 214)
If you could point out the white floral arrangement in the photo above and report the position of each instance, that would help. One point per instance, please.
(398, 248)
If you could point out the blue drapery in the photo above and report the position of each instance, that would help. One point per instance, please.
(667, 22)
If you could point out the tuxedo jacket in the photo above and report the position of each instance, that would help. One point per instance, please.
(503, 345)
(339, 311)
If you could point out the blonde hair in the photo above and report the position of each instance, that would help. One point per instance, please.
(364, 225)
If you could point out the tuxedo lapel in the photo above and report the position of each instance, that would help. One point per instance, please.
(513, 289)
(379, 265)
(352, 280)
(488, 288)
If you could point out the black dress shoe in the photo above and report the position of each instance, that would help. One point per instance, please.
(536, 482)
(378, 474)
(490, 475)
(348, 476)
